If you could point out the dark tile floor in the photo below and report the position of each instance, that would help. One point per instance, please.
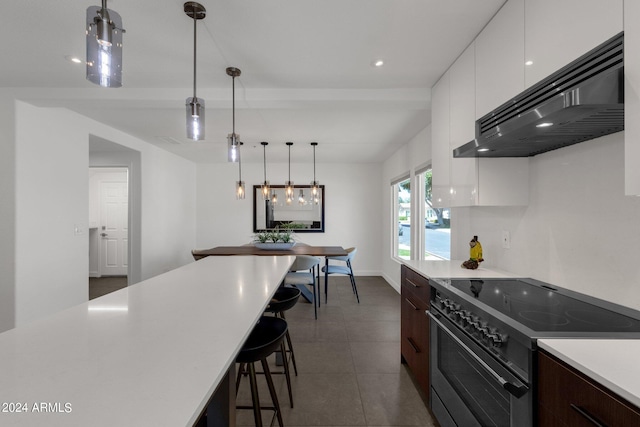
(99, 286)
(349, 370)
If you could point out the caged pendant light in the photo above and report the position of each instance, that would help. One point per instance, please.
(315, 185)
(233, 139)
(104, 46)
(195, 105)
(266, 193)
(289, 184)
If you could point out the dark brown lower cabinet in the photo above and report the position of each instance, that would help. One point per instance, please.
(415, 326)
(568, 398)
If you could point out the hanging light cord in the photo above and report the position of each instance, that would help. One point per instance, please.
(194, 51)
(233, 112)
(289, 163)
(264, 159)
(314, 164)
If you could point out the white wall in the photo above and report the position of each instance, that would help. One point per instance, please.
(414, 154)
(51, 192)
(352, 211)
(579, 230)
(7, 212)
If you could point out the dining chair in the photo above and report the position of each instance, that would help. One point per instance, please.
(303, 273)
(342, 269)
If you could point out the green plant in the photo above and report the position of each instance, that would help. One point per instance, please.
(285, 236)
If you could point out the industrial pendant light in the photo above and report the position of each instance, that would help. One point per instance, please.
(195, 105)
(233, 139)
(289, 184)
(315, 185)
(240, 188)
(104, 46)
(266, 193)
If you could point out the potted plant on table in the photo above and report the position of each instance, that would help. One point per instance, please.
(277, 239)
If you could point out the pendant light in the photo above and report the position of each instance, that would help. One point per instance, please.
(233, 139)
(240, 188)
(289, 184)
(266, 193)
(301, 197)
(315, 185)
(195, 105)
(104, 46)
(274, 197)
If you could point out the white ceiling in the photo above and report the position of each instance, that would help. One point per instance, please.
(307, 71)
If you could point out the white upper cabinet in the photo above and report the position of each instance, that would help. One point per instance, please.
(559, 31)
(500, 58)
(462, 115)
(632, 97)
(440, 152)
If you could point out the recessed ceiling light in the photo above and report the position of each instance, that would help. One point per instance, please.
(544, 125)
(73, 59)
(378, 63)
(528, 63)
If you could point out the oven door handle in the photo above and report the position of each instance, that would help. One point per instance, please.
(516, 388)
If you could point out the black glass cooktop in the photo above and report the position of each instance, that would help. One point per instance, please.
(544, 308)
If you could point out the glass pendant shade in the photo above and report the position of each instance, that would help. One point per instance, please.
(104, 46)
(315, 185)
(266, 190)
(240, 190)
(301, 197)
(289, 187)
(274, 197)
(195, 118)
(232, 147)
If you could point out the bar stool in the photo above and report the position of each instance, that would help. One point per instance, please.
(265, 338)
(283, 300)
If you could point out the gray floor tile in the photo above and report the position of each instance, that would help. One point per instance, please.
(373, 331)
(325, 400)
(376, 357)
(349, 370)
(392, 400)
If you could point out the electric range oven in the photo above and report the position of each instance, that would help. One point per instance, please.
(483, 344)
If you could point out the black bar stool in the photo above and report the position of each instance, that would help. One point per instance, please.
(265, 338)
(283, 300)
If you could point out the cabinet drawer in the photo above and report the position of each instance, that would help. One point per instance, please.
(415, 283)
(414, 344)
(571, 398)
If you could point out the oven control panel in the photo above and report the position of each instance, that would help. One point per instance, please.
(470, 322)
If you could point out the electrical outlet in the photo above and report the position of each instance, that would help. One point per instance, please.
(506, 239)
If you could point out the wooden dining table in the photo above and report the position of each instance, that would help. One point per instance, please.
(297, 249)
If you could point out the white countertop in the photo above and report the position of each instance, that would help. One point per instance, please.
(148, 355)
(452, 269)
(611, 362)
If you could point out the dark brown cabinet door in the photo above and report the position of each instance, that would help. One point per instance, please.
(415, 326)
(568, 398)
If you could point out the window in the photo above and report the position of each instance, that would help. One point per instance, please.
(401, 193)
(437, 224)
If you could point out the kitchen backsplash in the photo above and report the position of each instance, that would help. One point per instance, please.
(579, 231)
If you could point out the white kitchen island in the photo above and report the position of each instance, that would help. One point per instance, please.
(152, 354)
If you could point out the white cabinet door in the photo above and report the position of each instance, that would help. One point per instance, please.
(500, 58)
(559, 31)
(462, 108)
(440, 152)
(632, 97)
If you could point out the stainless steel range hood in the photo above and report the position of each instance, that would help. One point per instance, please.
(581, 101)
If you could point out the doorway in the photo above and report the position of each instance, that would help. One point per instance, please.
(108, 229)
